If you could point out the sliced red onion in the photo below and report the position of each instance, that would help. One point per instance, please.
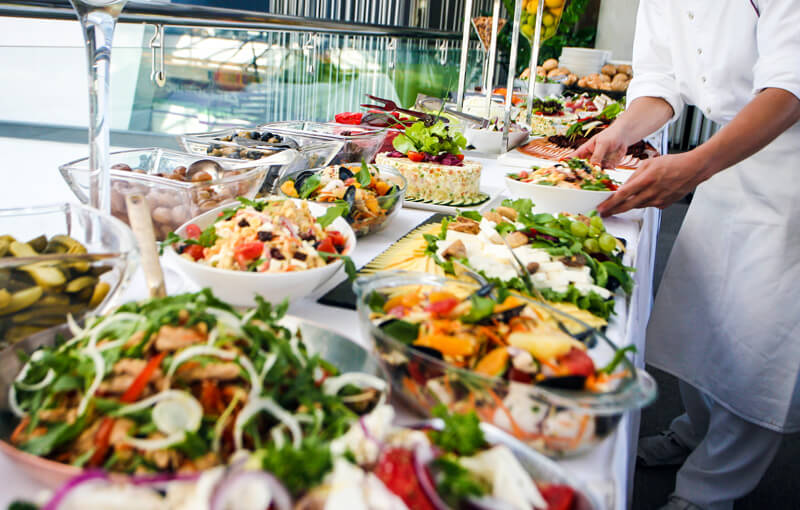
(423, 455)
(369, 435)
(162, 478)
(64, 490)
(224, 490)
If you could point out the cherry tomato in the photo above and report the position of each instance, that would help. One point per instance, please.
(519, 376)
(326, 245)
(193, 231)
(339, 240)
(610, 184)
(577, 362)
(416, 157)
(558, 497)
(195, 251)
(460, 157)
(442, 307)
(396, 470)
(246, 252)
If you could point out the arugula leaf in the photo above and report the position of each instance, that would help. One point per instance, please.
(617, 359)
(482, 307)
(349, 265)
(193, 446)
(22, 505)
(375, 301)
(461, 434)
(455, 483)
(620, 273)
(57, 435)
(505, 228)
(339, 208)
(473, 215)
(363, 176)
(611, 111)
(401, 330)
(299, 469)
(309, 185)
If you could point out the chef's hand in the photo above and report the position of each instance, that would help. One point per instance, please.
(606, 149)
(658, 182)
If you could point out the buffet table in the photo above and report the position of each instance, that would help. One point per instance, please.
(607, 469)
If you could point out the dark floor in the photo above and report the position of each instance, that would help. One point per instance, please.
(777, 491)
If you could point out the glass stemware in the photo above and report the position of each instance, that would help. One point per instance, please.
(98, 19)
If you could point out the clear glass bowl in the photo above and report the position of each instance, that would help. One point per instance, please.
(98, 233)
(174, 202)
(313, 152)
(332, 347)
(359, 142)
(389, 204)
(555, 422)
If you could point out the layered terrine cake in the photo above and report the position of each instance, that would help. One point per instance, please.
(436, 182)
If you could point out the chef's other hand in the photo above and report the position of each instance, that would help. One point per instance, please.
(606, 149)
(658, 182)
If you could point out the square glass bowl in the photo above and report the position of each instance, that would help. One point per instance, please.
(52, 275)
(359, 142)
(172, 200)
(237, 143)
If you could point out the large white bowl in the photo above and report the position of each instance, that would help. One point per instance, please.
(555, 200)
(240, 288)
(491, 142)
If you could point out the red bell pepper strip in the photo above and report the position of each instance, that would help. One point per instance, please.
(102, 442)
(138, 385)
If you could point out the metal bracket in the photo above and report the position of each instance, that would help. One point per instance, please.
(391, 49)
(157, 73)
(442, 47)
(310, 44)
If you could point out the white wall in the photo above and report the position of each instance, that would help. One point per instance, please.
(615, 27)
(45, 72)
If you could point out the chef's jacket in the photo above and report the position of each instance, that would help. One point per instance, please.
(727, 315)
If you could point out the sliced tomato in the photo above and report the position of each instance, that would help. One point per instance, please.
(339, 240)
(195, 251)
(396, 470)
(246, 252)
(558, 497)
(442, 307)
(138, 385)
(326, 245)
(102, 442)
(519, 376)
(193, 231)
(416, 157)
(610, 184)
(577, 362)
(523, 174)
(348, 118)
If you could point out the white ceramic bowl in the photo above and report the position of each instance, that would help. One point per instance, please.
(240, 288)
(491, 142)
(555, 200)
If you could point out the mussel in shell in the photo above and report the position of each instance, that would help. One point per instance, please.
(345, 173)
(350, 198)
(301, 178)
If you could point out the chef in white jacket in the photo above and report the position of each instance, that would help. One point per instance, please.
(726, 320)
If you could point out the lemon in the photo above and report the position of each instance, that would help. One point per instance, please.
(542, 344)
(556, 11)
(548, 19)
(527, 30)
(532, 6)
(553, 3)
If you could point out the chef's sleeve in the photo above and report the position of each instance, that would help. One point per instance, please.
(653, 73)
(778, 37)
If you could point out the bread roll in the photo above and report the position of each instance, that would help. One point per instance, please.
(609, 70)
(625, 68)
(582, 83)
(619, 77)
(557, 72)
(525, 74)
(550, 64)
(620, 86)
(605, 78)
(571, 79)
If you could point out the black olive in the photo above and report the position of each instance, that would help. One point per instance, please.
(308, 236)
(254, 154)
(244, 223)
(181, 248)
(276, 254)
(564, 382)
(299, 255)
(264, 236)
(574, 261)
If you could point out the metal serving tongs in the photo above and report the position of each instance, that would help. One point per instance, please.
(390, 106)
(434, 103)
(142, 226)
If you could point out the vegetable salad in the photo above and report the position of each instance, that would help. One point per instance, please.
(574, 174)
(180, 384)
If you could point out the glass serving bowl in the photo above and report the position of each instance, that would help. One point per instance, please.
(332, 347)
(312, 152)
(173, 201)
(557, 422)
(39, 294)
(359, 142)
(362, 217)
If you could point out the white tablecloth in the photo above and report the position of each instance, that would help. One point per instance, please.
(607, 469)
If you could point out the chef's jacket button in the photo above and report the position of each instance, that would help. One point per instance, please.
(699, 51)
(708, 110)
(703, 79)
(691, 15)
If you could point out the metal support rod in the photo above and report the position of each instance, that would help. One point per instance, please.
(492, 58)
(462, 72)
(157, 66)
(537, 40)
(512, 71)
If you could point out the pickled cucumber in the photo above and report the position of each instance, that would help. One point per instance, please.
(39, 295)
